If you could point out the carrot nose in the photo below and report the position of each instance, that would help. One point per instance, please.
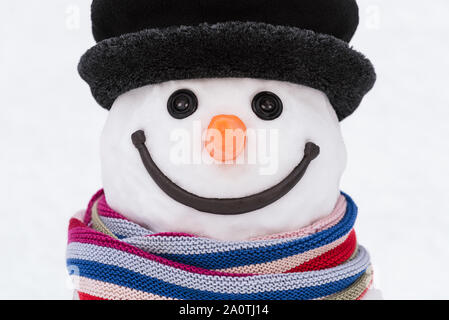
(226, 137)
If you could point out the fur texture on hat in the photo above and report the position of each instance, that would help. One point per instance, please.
(229, 50)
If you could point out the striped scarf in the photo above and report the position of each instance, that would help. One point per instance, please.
(110, 257)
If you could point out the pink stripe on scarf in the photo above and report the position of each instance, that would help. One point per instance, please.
(110, 291)
(172, 234)
(318, 226)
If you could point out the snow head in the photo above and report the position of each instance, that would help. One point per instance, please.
(198, 171)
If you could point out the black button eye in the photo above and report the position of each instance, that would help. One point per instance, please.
(267, 106)
(182, 104)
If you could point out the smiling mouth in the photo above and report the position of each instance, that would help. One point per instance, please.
(231, 206)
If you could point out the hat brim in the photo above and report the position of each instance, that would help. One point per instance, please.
(229, 50)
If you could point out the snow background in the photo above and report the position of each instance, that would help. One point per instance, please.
(398, 144)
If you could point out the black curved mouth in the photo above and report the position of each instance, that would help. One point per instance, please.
(231, 206)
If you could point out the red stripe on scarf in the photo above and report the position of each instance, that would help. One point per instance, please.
(75, 223)
(332, 258)
(85, 296)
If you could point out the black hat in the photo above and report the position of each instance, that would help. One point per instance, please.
(142, 42)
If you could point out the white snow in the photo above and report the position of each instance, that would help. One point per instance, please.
(398, 145)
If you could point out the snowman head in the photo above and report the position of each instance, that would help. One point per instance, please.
(223, 128)
(264, 179)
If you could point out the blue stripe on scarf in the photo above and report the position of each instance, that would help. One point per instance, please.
(249, 256)
(126, 278)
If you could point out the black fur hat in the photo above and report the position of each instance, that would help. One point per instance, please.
(143, 42)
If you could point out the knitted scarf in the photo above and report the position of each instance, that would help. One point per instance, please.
(110, 257)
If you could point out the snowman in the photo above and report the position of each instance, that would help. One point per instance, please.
(222, 152)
